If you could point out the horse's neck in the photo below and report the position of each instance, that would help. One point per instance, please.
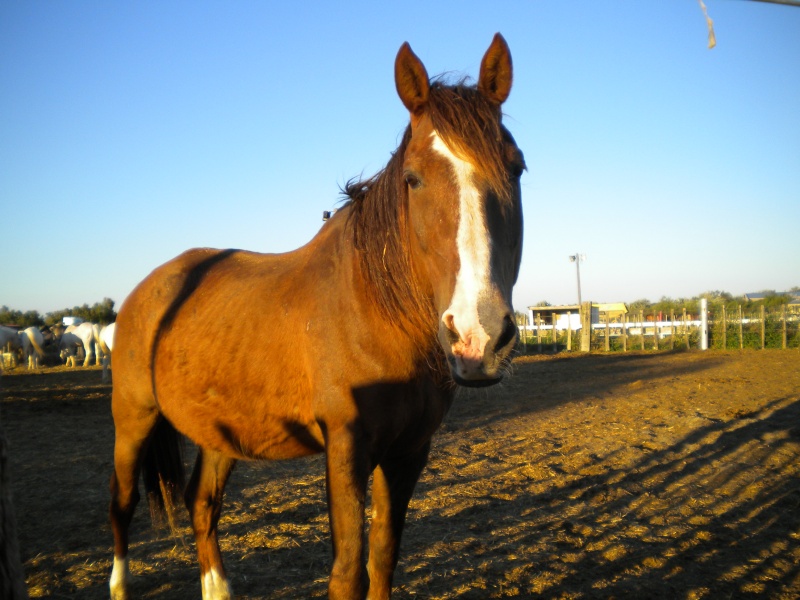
(365, 305)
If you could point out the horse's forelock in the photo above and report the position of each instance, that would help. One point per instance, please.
(471, 127)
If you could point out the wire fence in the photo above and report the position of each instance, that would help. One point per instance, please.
(736, 328)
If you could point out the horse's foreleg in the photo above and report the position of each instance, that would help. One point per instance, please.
(392, 487)
(204, 501)
(129, 447)
(347, 475)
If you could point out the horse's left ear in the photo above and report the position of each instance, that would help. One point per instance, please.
(411, 80)
(496, 71)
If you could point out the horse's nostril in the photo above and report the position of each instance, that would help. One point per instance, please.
(508, 334)
(450, 331)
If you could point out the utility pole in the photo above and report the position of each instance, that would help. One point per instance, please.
(577, 258)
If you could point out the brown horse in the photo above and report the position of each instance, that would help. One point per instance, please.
(404, 291)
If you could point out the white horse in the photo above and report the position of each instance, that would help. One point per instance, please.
(89, 333)
(32, 342)
(106, 343)
(68, 347)
(8, 336)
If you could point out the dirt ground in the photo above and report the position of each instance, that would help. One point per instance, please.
(650, 475)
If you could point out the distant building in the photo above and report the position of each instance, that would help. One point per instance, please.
(567, 316)
(792, 306)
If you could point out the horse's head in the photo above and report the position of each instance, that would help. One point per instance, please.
(462, 169)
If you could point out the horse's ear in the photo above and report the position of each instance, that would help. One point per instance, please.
(496, 71)
(411, 80)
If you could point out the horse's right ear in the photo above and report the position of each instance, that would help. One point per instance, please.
(411, 80)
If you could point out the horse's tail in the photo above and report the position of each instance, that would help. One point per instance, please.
(34, 342)
(163, 474)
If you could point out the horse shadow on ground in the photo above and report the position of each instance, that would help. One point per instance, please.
(693, 519)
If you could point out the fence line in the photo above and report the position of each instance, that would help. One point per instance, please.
(759, 329)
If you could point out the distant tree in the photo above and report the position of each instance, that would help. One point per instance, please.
(717, 296)
(640, 304)
(26, 319)
(774, 300)
(543, 303)
(666, 305)
(101, 312)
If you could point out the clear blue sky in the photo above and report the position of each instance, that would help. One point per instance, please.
(131, 131)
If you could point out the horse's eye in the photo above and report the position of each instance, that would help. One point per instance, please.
(412, 181)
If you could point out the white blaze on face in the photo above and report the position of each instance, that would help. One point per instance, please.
(472, 241)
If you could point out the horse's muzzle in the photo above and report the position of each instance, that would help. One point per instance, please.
(478, 359)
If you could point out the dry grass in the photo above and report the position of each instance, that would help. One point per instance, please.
(600, 476)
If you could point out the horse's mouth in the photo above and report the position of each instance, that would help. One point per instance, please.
(477, 383)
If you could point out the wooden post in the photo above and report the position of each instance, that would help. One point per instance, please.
(522, 336)
(555, 334)
(539, 333)
(624, 332)
(783, 319)
(586, 327)
(641, 332)
(671, 329)
(608, 335)
(655, 331)
(724, 329)
(685, 328)
(763, 328)
(741, 328)
(569, 331)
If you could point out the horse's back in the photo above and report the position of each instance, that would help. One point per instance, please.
(199, 339)
(142, 315)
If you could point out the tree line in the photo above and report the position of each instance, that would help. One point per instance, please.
(101, 312)
(716, 298)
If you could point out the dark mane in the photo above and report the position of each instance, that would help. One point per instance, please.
(378, 224)
(471, 127)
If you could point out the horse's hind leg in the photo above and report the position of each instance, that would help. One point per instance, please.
(133, 429)
(204, 501)
(392, 487)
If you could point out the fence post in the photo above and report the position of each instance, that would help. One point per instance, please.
(641, 331)
(624, 332)
(655, 331)
(763, 328)
(703, 324)
(671, 329)
(586, 327)
(685, 329)
(783, 318)
(569, 331)
(555, 335)
(724, 329)
(741, 328)
(608, 335)
(539, 333)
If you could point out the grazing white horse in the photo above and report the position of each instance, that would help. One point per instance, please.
(68, 346)
(32, 342)
(89, 333)
(106, 346)
(8, 336)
